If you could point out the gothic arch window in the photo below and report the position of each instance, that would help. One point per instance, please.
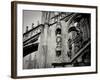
(58, 31)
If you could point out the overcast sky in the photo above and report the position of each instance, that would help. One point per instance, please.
(29, 17)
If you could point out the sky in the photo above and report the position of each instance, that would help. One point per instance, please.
(29, 17)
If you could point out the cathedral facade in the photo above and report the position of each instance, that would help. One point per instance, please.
(61, 39)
